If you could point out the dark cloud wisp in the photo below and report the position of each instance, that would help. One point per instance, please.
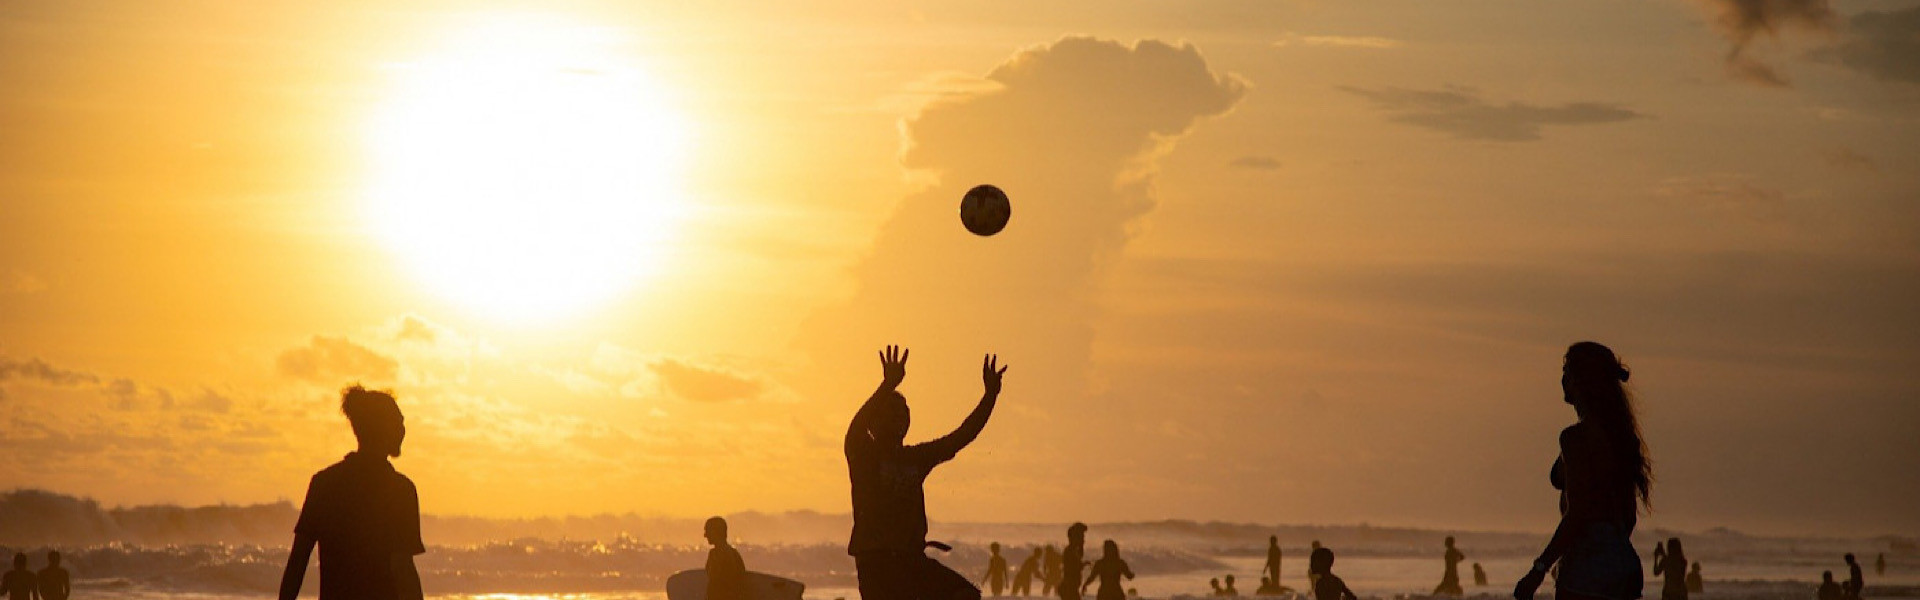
(1461, 113)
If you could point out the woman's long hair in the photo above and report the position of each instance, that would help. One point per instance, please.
(1601, 378)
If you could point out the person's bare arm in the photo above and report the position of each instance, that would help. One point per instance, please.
(990, 375)
(296, 572)
(1575, 456)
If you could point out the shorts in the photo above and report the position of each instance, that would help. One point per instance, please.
(910, 576)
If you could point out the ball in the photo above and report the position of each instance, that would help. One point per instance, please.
(985, 210)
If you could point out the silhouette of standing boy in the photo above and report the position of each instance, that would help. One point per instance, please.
(55, 584)
(364, 516)
(726, 573)
(1450, 580)
(889, 538)
(19, 584)
(996, 577)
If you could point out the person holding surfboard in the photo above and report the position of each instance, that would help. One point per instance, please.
(889, 539)
(726, 572)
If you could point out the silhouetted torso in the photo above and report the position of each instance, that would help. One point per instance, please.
(20, 584)
(726, 574)
(1856, 583)
(1273, 565)
(1479, 575)
(996, 573)
(54, 583)
(1695, 584)
(362, 514)
(1328, 586)
(1450, 580)
(1072, 560)
(1023, 577)
(1829, 590)
(1673, 570)
(1108, 571)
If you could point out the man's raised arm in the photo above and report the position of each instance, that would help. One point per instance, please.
(952, 443)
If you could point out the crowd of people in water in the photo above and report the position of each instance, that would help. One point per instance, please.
(363, 517)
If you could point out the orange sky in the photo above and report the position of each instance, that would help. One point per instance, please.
(1269, 261)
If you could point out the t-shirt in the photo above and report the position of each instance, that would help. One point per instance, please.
(19, 584)
(1330, 587)
(726, 574)
(889, 502)
(362, 513)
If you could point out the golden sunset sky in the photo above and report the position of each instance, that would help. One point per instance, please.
(1269, 261)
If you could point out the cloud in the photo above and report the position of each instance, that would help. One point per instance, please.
(336, 361)
(701, 383)
(1072, 130)
(1741, 21)
(1338, 41)
(1846, 159)
(1463, 114)
(1885, 45)
(16, 281)
(1261, 163)
(35, 369)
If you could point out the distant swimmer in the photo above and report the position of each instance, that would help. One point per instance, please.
(1049, 570)
(1695, 584)
(1673, 566)
(1326, 585)
(1450, 580)
(888, 480)
(1072, 562)
(55, 584)
(20, 583)
(1108, 571)
(362, 514)
(1023, 577)
(1273, 561)
(1829, 589)
(726, 572)
(1215, 582)
(1604, 476)
(1856, 583)
(1230, 591)
(1659, 554)
(1268, 588)
(1479, 576)
(1880, 565)
(996, 577)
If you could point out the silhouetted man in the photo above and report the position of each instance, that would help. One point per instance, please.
(1273, 560)
(1479, 576)
(1829, 590)
(1313, 577)
(996, 577)
(1230, 590)
(1023, 577)
(20, 584)
(1072, 560)
(364, 516)
(1856, 583)
(1450, 580)
(1049, 570)
(889, 538)
(55, 584)
(1695, 584)
(726, 573)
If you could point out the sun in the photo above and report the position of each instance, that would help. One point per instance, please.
(527, 168)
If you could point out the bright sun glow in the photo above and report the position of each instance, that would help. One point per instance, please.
(527, 168)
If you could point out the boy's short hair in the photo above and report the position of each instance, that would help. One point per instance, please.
(716, 522)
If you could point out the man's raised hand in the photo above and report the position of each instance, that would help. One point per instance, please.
(990, 372)
(893, 366)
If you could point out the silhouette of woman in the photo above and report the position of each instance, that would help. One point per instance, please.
(1450, 580)
(1674, 567)
(1108, 571)
(1604, 476)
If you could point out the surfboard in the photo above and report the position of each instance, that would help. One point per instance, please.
(692, 585)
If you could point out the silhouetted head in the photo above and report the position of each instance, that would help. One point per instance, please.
(994, 547)
(19, 560)
(375, 418)
(1110, 549)
(1674, 549)
(53, 558)
(1316, 544)
(1266, 582)
(1826, 576)
(1229, 582)
(1273, 541)
(1077, 533)
(890, 425)
(717, 531)
(1696, 567)
(1215, 582)
(1320, 562)
(1849, 558)
(1449, 541)
(1594, 382)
